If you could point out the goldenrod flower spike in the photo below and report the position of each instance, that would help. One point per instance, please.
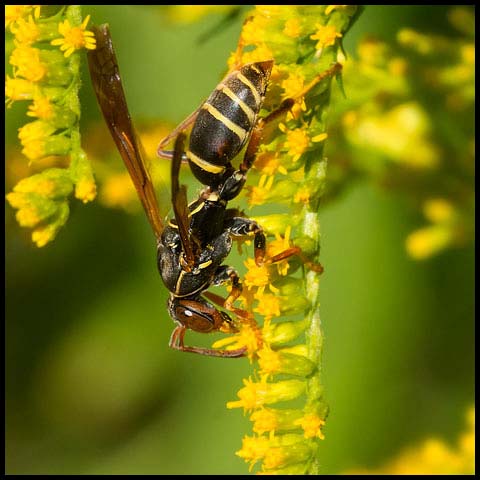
(51, 80)
(291, 171)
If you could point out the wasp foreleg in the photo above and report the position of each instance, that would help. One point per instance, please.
(176, 342)
(226, 274)
(240, 226)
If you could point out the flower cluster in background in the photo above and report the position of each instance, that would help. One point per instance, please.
(114, 185)
(43, 53)
(395, 128)
(433, 456)
(289, 172)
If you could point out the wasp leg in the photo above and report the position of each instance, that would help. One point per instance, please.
(290, 252)
(168, 154)
(225, 274)
(176, 342)
(220, 301)
(239, 227)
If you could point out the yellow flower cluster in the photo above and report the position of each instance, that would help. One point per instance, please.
(290, 169)
(50, 80)
(420, 145)
(433, 457)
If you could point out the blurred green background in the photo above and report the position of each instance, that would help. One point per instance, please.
(91, 385)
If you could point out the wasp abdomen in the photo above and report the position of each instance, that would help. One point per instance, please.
(225, 122)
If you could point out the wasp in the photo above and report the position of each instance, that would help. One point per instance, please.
(192, 246)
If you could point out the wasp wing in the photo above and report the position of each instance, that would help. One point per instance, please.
(107, 84)
(180, 205)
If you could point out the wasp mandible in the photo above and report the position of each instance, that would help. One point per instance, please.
(192, 246)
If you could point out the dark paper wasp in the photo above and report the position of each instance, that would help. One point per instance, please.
(192, 246)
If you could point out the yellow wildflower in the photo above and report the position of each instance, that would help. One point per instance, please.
(25, 31)
(326, 36)
(302, 195)
(17, 199)
(425, 242)
(249, 336)
(42, 235)
(118, 191)
(297, 141)
(256, 276)
(264, 420)
(26, 59)
(34, 131)
(274, 458)
(438, 210)
(28, 216)
(13, 13)
(292, 28)
(74, 38)
(18, 89)
(253, 31)
(253, 449)
(311, 425)
(46, 187)
(268, 163)
(268, 360)
(259, 194)
(41, 108)
(251, 395)
(293, 87)
(86, 190)
(468, 53)
(256, 394)
(279, 245)
(432, 457)
(268, 305)
(260, 54)
(35, 149)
